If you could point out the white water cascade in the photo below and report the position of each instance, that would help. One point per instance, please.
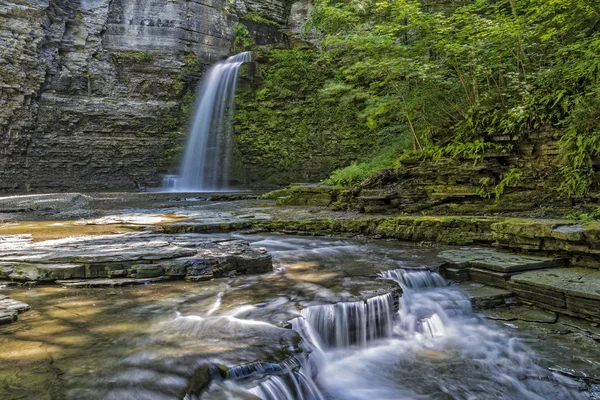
(205, 165)
(367, 351)
(345, 324)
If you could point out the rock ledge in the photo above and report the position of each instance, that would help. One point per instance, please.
(128, 258)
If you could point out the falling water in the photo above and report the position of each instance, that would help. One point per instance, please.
(345, 324)
(205, 165)
(426, 307)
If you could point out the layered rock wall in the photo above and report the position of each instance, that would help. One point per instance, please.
(90, 90)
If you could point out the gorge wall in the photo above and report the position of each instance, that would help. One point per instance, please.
(92, 92)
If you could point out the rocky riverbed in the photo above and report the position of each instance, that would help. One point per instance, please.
(196, 315)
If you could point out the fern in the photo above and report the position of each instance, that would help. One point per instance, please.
(511, 178)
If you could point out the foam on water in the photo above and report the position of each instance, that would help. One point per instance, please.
(438, 347)
(425, 344)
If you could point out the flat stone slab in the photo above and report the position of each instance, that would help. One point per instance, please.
(43, 202)
(526, 314)
(9, 309)
(134, 256)
(579, 282)
(116, 282)
(486, 297)
(571, 291)
(496, 261)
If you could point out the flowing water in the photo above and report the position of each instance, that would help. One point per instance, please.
(347, 339)
(205, 165)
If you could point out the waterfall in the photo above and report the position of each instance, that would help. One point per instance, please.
(426, 306)
(346, 324)
(205, 165)
(290, 380)
(414, 279)
(294, 385)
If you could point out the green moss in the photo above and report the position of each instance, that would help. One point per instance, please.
(259, 19)
(132, 56)
(289, 129)
(390, 143)
(242, 40)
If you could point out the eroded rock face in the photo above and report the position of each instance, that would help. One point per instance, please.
(90, 90)
(132, 258)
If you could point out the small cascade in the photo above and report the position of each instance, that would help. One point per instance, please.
(427, 305)
(293, 385)
(290, 380)
(414, 279)
(345, 324)
(206, 161)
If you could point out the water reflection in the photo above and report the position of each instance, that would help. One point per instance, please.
(151, 342)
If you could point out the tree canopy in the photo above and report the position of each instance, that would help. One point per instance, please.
(452, 76)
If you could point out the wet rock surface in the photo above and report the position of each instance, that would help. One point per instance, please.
(485, 297)
(9, 309)
(556, 339)
(570, 291)
(128, 258)
(497, 261)
(161, 340)
(525, 314)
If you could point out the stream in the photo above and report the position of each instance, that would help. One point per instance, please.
(352, 336)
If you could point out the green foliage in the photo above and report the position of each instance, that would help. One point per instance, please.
(390, 145)
(474, 150)
(581, 216)
(292, 127)
(259, 19)
(191, 64)
(190, 71)
(486, 188)
(461, 74)
(242, 38)
(172, 156)
(580, 145)
(350, 175)
(511, 178)
(453, 79)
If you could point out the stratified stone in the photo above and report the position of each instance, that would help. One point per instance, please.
(117, 282)
(493, 260)
(571, 233)
(46, 272)
(522, 314)
(572, 291)
(491, 267)
(484, 297)
(91, 90)
(129, 258)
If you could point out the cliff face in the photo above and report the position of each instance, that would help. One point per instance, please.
(90, 90)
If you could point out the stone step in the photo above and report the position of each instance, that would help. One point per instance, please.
(521, 313)
(117, 282)
(570, 291)
(485, 297)
(373, 200)
(492, 260)
(455, 274)
(492, 278)
(491, 267)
